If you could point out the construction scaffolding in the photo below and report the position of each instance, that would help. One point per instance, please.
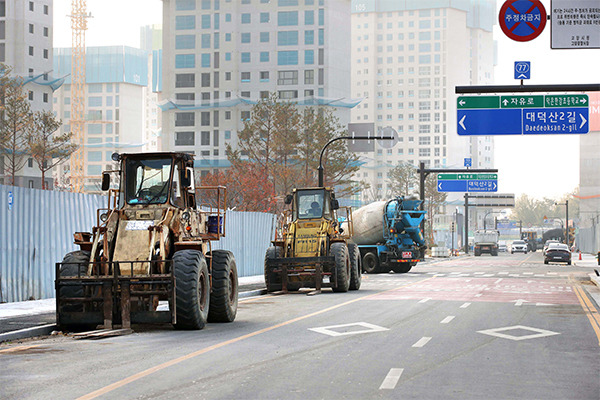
(79, 18)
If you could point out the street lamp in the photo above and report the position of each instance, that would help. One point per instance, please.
(566, 204)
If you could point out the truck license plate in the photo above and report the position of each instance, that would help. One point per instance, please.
(406, 254)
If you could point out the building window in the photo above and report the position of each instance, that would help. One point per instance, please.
(205, 21)
(187, 41)
(185, 5)
(264, 76)
(245, 37)
(245, 76)
(3, 8)
(287, 38)
(30, 96)
(309, 77)
(46, 10)
(205, 118)
(30, 28)
(264, 56)
(205, 138)
(30, 50)
(288, 94)
(46, 31)
(287, 58)
(185, 61)
(309, 17)
(185, 119)
(264, 37)
(184, 139)
(287, 18)
(205, 60)
(287, 78)
(246, 18)
(185, 22)
(45, 97)
(309, 56)
(245, 57)
(309, 37)
(31, 6)
(264, 17)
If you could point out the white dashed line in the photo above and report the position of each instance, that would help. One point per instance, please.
(478, 295)
(447, 319)
(503, 273)
(391, 380)
(465, 305)
(424, 300)
(498, 281)
(422, 342)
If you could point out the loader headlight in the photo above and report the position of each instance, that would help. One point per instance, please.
(104, 217)
(185, 216)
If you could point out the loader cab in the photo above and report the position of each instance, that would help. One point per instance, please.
(312, 203)
(156, 179)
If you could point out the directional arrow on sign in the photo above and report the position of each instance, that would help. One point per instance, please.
(462, 102)
(583, 121)
(462, 122)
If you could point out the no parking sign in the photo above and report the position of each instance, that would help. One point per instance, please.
(522, 20)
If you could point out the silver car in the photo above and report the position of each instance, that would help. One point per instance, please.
(518, 246)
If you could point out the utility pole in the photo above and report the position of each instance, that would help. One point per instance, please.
(466, 223)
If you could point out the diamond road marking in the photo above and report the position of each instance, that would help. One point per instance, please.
(330, 330)
(497, 332)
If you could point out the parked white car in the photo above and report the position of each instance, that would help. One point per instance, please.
(518, 246)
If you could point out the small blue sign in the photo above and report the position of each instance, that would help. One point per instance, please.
(522, 69)
(10, 200)
(468, 162)
(476, 185)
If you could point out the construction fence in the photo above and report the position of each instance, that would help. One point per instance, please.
(37, 226)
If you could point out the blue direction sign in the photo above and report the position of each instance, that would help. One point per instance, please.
(522, 69)
(467, 182)
(527, 114)
(468, 162)
(452, 186)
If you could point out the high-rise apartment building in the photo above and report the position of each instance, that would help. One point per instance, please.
(26, 46)
(221, 56)
(117, 85)
(407, 58)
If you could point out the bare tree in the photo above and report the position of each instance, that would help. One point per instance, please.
(403, 180)
(47, 148)
(16, 122)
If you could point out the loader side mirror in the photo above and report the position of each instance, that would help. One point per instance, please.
(187, 178)
(335, 204)
(105, 181)
(288, 199)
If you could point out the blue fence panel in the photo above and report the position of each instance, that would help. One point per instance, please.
(37, 226)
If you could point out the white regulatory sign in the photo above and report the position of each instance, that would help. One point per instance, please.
(138, 225)
(575, 24)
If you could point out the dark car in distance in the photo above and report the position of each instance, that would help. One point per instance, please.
(557, 252)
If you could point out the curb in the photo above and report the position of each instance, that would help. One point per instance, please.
(43, 330)
(595, 279)
(28, 332)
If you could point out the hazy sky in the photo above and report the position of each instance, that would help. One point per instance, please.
(541, 166)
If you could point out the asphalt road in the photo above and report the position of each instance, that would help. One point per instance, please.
(506, 327)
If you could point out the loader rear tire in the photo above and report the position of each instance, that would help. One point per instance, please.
(342, 266)
(402, 268)
(192, 289)
(355, 267)
(224, 293)
(370, 263)
(272, 279)
(74, 264)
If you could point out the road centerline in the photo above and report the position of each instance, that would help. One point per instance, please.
(422, 342)
(448, 319)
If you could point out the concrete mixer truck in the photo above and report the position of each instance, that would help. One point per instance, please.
(388, 236)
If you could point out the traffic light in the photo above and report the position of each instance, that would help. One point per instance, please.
(452, 227)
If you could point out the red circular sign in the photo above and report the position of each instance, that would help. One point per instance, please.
(522, 20)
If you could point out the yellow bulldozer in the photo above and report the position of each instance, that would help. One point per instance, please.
(151, 244)
(310, 248)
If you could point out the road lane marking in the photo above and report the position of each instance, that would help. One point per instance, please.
(447, 319)
(589, 309)
(465, 305)
(539, 333)
(422, 342)
(330, 330)
(425, 300)
(175, 361)
(478, 295)
(525, 260)
(391, 380)
(498, 281)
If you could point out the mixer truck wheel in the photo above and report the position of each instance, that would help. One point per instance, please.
(224, 294)
(370, 263)
(192, 289)
(342, 266)
(272, 279)
(355, 271)
(402, 268)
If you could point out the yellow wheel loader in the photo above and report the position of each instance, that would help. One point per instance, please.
(151, 244)
(310, 248)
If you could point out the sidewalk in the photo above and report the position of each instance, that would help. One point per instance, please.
(37, 317)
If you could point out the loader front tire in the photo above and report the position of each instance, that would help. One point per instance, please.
(272, 279)
(342, 266)
(224, 293)
(192, 289)
(73, 264)
(356, 268)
